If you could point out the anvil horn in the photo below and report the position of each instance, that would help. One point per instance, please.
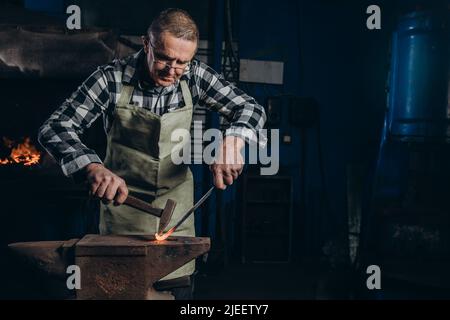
(51, 257)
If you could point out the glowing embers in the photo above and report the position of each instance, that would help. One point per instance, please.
(21, 153)
(164, 236)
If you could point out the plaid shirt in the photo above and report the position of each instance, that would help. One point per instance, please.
(98, 95)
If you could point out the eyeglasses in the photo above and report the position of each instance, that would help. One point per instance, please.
(165, 64)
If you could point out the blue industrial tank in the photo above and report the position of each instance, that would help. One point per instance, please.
(419, 78)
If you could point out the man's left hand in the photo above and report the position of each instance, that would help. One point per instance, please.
(229, 162)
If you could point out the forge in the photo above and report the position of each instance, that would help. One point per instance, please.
(112, 266)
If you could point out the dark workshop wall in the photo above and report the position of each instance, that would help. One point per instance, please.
(330, 55)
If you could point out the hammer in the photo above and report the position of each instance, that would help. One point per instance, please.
(163, 214)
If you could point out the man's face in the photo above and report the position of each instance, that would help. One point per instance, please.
(168, 61)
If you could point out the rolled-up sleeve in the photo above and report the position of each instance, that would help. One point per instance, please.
(60, 134)
(243, 116)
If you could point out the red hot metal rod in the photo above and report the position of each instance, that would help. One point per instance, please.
(186, 215)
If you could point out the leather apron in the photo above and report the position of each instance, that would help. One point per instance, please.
(139, 150)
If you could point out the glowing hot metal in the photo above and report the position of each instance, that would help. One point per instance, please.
(163, 236)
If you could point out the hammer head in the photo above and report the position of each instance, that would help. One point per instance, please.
(166, 215)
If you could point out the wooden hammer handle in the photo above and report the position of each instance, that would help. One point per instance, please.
(142, 205)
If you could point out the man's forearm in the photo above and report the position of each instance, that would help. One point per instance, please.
(244, 116)
(64, 145)
(59, 135)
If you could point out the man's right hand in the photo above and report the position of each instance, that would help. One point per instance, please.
(106, 185)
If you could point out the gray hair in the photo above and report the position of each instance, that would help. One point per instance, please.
(177, 22)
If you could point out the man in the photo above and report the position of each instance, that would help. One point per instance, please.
(142, 99)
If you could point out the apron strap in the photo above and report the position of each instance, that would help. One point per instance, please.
(125, 96)
(186, 94)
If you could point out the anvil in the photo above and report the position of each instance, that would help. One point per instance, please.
(113, 266)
